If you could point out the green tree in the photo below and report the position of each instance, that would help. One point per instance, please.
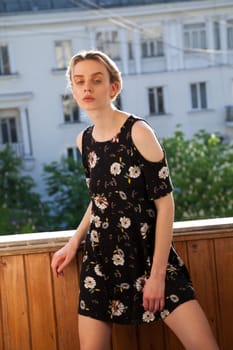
(21, 209)
(65, 184)
(202, 173)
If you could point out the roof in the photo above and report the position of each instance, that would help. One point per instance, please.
(18, 6)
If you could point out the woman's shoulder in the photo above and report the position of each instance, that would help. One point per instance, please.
(79, 138)
(145, 140)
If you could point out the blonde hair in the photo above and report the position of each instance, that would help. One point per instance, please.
(114, 73)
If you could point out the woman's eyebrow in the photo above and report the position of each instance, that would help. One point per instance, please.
(93, 74)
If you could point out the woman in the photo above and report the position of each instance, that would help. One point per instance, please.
(131, 272)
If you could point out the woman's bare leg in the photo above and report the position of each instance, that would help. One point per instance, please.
(94, 334)
(191, 326)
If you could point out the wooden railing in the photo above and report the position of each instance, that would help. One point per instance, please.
(38, 310)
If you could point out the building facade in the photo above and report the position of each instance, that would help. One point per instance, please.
(176, 59)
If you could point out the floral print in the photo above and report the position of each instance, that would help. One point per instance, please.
(118, 257)
(120, 241)
(115, 169)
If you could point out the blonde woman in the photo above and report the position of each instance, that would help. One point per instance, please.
(131, 272)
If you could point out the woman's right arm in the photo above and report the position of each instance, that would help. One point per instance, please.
(66, 254)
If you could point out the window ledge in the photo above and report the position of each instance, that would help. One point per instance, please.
(58, 71)
(229, 123)
(159, 115)
(204, 110)
(9, 76)
(28, 163)
(69, 124)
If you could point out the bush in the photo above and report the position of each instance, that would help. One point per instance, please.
(202, 175)
(21, 209)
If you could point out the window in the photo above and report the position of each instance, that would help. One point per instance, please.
(70, 109)
(217, 43)
(156, 100)
(152, 48)
(73, 153)
(8, 130)
(195, 36)
(108, 42)
(198, 95)
(63, 53)
(230, 34)
(4, 61)
(130, 50)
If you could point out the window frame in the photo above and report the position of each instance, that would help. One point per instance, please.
(156, 99)
(105, 41)
(73, 114)
(65, 53)
(198, 96)
(12, 131)
(195, 36)
(4, 60)
(229, 30)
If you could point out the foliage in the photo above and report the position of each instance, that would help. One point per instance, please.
(21, 209)
(65, 184)
(201, 171)
(202, 175)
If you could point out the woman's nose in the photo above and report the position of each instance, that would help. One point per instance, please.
(87, 87)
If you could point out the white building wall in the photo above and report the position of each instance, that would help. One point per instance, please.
(37, 86)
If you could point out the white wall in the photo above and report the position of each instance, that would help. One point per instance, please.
(31, 37)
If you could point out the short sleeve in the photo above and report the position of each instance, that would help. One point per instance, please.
(157, 179)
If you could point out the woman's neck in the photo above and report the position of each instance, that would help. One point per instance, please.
(107, 125)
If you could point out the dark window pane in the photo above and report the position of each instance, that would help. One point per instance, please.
(160, 100)
(151, 101)
(66, 107)
(70, 153)
(4, 60)
(203, 95)
(13, 130)
(194, 96)
(4, 131)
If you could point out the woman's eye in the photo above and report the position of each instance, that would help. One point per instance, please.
(79, 82)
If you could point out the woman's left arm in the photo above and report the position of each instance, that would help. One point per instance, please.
(154, 289)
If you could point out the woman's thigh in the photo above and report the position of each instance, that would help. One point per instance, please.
(94, 334)
(191, 326)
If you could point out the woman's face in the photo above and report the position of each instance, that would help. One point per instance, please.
(91, 86)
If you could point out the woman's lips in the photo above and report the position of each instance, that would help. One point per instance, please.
(88, 99)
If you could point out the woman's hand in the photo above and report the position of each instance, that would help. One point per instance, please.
(153, 294)
(62, 258)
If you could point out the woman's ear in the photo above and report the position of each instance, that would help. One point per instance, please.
(114, 89)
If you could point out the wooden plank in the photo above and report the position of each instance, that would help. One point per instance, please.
(181, 249)
(66, 303)
(172, 342)
(124, 337)
(14, 312)
(40, 298)
(203, 275)
(1, 303)
(151, 336)
(224, 265)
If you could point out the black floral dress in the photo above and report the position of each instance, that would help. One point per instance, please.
(120, 243)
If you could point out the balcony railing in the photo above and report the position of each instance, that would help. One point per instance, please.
(38, 310)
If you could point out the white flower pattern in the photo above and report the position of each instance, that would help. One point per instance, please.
(115, 169)
(163, 173)
(148, 317)
(125, 222)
